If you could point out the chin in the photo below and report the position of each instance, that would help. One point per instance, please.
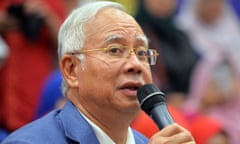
(131, 108)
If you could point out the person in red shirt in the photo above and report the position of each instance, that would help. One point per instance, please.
(29, 28)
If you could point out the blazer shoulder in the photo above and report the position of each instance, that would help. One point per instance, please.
(44, 130)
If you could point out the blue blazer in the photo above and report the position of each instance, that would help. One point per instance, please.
(65, 126)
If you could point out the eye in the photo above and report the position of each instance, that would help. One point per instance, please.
(142, 52)
(115, 50)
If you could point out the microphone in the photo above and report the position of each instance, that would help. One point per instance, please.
(153, 102)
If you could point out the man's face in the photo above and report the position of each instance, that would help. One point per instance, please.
(105, 85)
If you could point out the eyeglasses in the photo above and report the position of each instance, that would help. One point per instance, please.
(117, 52)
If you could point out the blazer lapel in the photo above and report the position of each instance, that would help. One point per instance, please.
(76, 128)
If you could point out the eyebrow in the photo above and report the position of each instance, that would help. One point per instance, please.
(112, 38)
(143, 39)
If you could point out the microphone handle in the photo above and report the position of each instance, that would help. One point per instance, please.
(161, 116)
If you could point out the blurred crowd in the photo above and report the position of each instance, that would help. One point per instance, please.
(198, 67)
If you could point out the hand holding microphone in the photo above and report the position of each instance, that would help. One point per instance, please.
(152, 101)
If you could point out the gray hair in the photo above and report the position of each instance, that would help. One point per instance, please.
(71, 36)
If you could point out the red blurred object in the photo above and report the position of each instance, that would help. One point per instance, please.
(204, 127)
(144, 124)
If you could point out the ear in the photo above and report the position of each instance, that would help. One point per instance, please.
(69, 66)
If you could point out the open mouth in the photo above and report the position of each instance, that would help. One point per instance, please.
(131, 86)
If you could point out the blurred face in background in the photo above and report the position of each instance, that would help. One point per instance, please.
(160, 8)
(208, 11)
(222, 86)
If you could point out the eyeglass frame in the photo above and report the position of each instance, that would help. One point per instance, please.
(155, 53)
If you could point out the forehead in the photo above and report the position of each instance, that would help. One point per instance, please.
(111, 21)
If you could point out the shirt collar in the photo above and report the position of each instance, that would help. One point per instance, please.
(103, 138)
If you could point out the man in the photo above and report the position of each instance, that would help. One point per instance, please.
(103, 59)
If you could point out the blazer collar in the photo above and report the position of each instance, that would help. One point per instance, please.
(78, 130)
(75, 126)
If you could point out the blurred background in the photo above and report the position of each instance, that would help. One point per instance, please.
(198, 67)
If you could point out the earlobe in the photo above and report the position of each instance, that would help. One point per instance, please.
(69, 67)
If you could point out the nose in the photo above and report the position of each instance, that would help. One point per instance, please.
(131, 52)
(133, 65)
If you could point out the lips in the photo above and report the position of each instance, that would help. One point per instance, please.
(131, 85)
(130, 88)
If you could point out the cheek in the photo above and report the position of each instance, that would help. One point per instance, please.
(101, 73)
(147, 75)
(98, 83)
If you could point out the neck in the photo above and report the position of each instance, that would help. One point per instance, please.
(116, 128)
(114, 123)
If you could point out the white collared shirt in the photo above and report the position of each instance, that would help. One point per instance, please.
(103, 138)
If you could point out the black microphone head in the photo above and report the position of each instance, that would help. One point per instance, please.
(149, 95)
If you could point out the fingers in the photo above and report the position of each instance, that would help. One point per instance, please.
(172, 134)
(173, 129)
